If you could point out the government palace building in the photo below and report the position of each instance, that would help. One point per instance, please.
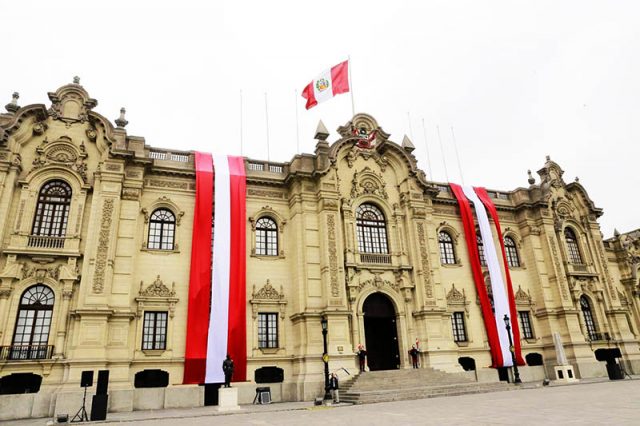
(96, 233)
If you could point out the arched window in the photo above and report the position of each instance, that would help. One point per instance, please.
(483, 259)
(266, 237)
(162, 229)
(52, 210)
(588, 318)
(512, 252)
(447, 255)
(31, 334)
(572, 247)
(371, 229)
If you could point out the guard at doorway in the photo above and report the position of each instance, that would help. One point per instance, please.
(414, 356)
(227, 368)
(362, 357)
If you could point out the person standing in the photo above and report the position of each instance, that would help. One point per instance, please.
(227, 368)
(362, 356)
(414, 356)
(333, 387)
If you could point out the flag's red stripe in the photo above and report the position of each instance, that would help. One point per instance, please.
(308, 94)
(340, 78)
(515, 329)
(200, 278)
(474, 259)
(237, 338)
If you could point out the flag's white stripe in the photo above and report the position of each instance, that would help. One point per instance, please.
(327, 93)
(219, 318)
(500, 300)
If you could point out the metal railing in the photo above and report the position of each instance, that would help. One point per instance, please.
(599, 337)
(40, 241)
(384, 259)
(25, 352)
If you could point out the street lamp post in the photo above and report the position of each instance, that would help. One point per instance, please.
(325, 357)
(516, 374)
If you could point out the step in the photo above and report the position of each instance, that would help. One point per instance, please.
(420, 393)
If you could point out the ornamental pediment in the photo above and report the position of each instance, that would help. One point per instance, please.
(368, 182)
(62, 152)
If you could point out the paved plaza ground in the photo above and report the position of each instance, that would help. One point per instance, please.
(615, 403)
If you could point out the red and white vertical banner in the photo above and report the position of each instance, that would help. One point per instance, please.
(503, 298)
(222, 330)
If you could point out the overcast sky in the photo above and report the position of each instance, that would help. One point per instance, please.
(517, 80)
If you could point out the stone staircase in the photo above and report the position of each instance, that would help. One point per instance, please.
(397, 385)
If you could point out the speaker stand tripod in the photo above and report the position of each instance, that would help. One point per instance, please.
(81, 415)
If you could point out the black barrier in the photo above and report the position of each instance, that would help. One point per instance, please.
(263, 395)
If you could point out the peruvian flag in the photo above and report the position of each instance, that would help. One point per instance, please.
(329, 83)
(216, 318)
(501, 287)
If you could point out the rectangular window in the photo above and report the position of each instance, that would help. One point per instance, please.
(525, 325)
(267, 330)
(154, 331)
(457, 323)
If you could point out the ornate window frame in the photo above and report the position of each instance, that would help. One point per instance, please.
(271, 213)
(457, 302)
(161, 203)
(264, 301)
(156, 297)
(525, 303)
(381, 229)
(509, 233)
(582, 253)
(455, 238)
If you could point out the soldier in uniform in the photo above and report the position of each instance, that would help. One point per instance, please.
(227, 368)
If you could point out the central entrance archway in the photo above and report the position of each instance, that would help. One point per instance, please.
(381, 333)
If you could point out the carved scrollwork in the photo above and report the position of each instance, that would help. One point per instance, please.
(368, 182)
(267, 296)
(158, 289)
(61, 153)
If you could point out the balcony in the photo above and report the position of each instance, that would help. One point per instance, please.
(379, 259)
(25, 352)
(599, 337)
(38, 241)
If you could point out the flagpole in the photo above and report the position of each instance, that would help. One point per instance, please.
(446, 173)
(426, 145)
(455, 146)
(266, 114)
(353, 108)
(297, 124)
(241, 135)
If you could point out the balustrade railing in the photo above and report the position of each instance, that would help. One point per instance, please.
(40, 241)
(384, 259)
(25, 352)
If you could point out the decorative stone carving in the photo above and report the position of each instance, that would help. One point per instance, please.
(157, 296)
(378, 282)
(61, 153)
(158, 289)
(368, 182)
(103, 245)
(605, 268)
(266, 193)
(267, 292)
(560, 278)
(522, 297)
(424, 261)
(267, 296)
(333, 255)
(160, 183)
(455, 296)
(130, 194)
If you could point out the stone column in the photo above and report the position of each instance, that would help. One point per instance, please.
(7, 189)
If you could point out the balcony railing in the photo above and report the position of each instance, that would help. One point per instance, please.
(25, 352)
(384, 259)
(599, 337)
(38, 241)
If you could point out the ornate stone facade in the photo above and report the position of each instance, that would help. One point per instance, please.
(98, 267)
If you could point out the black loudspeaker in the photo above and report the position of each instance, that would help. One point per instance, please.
(615, 353)
(99, 407)
(269, 375)
(103, 382)
(86, 380)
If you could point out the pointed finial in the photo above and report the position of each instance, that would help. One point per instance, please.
(577, 179)
(531, 179)
(122, 122)
(548, 157)
(321, 132)
(13, 106)
(407, 144)
(76, 80)
(616, 233)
